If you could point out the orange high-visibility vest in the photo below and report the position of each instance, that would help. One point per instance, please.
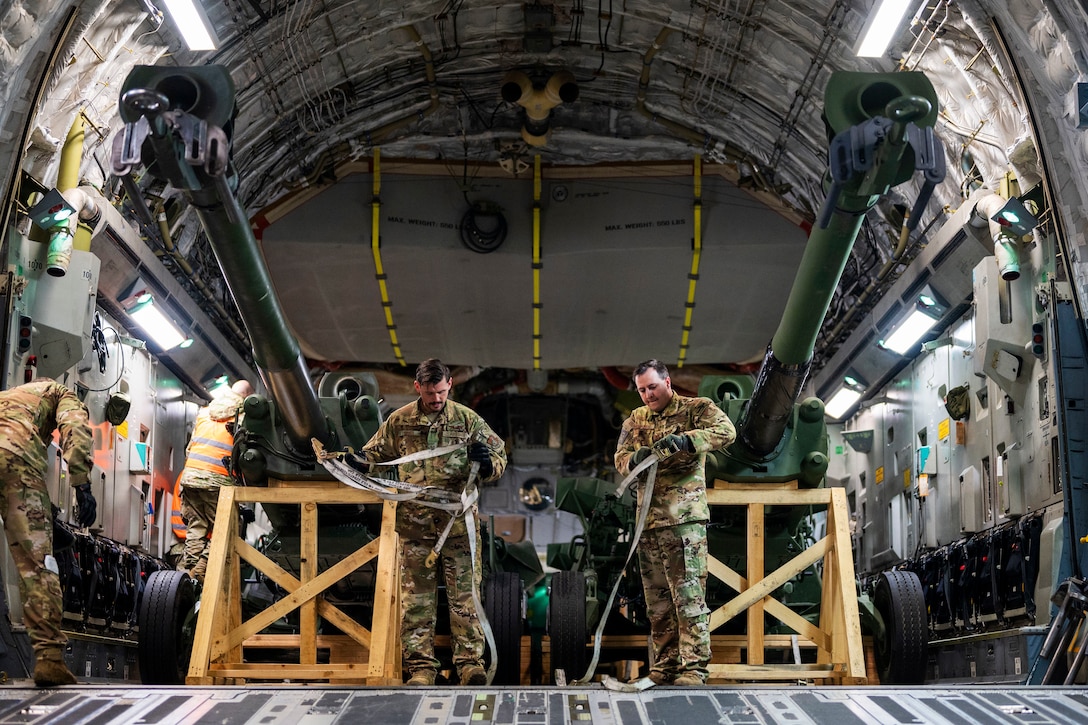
(177, 523)
(210, 443)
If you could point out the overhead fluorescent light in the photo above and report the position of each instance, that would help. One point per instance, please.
(846, 397)
(192, 23)
(909, 331)
(881, 27)
(841, 402)
(155, 324)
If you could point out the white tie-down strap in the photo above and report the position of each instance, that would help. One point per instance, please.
(468, 497)
(387, 488)
(650, 465)
(461, 504)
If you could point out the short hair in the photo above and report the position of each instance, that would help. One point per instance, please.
(432, 371)
(650, 364)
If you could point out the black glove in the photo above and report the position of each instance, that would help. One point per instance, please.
(640, 455)
(677, 442)
(86, 505)
(248, 515)
(478, 452)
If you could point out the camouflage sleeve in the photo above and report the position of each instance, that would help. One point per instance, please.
(382, 446)
(712, 428)
(495, 446)
(75, 435)
(625, 448)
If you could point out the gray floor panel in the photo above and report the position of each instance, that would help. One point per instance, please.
(307, 705)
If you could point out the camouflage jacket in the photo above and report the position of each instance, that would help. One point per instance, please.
(408, 430)
(679, 494)
(28, 416)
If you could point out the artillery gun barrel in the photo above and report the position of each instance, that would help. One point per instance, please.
(882, 126)
(177, 123)
(788, 358)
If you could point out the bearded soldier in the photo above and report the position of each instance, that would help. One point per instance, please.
(431, 422)
(672, 552)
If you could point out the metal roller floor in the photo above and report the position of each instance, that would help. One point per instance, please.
(304, 705)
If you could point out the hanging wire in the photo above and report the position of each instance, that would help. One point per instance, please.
(98, 346)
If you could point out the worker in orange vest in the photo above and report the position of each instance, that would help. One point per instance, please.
(205, 473)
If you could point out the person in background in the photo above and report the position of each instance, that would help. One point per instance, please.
(672, 552)
(29, 414)
(205, 473)
(430, 422)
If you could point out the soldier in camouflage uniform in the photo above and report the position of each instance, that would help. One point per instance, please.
(430, 422)
(673, 548)
(28, 416)
(204, 474)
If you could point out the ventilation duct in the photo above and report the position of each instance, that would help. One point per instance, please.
(538, 102)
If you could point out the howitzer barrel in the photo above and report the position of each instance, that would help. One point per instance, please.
(882, 125)
(177, 124)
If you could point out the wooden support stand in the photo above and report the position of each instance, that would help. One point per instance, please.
(840, 654)
(359, 656)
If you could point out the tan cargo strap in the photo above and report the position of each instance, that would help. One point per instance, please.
(649, 465)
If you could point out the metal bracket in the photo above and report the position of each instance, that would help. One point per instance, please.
(852, 151)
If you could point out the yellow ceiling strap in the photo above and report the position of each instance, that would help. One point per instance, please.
(536, 262)
(375, 249)
(696, 255)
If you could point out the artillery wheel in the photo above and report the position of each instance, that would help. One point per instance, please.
(567, 623)
(502, 604)
(167, 620)
(901, 653)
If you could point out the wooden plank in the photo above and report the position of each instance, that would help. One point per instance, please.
(234, 601)
(776, 579)
(305, 494)
(287, 641)
(385, 650)
(756, 557)
(773, 673)
(744, 486)
(307, 565)
(808, 631)
(829, 612)
(283, 671)
(224, 636)
(771, 497)
(301, 592)
(343, 622)
(214, 599)
(839, 522)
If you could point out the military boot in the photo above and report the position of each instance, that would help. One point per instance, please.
(689, 678)
(660, 678)
(50, 671)
(422, 678)
(473, 675)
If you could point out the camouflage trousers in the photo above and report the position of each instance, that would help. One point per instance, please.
(419, 602)
(28, 524)
(198, 506)
(674, 570)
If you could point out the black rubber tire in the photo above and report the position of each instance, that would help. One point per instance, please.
(167, 622)
(901, 656)
(567, 623)
(502, 603)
